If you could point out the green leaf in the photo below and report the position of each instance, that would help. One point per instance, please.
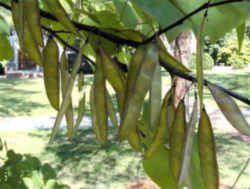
(165, 13)
(127, 13)
(48, 172)
(221, 19)
(4, 27)
(51, 184)
(240, 34)
(6, 51)
(105, 19)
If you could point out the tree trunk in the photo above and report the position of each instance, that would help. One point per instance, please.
(182, 52)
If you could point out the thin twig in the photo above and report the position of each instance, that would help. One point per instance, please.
(206, 82)
(241, 173)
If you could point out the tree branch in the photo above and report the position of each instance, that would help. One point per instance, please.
(206, 82)
(123, 41)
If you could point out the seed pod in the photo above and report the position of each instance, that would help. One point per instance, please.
(58, 11)
(111, 110)
(17, 17)
(100, 100)
(207, 152)
(162, 134)
(51, 73)
(188, 147)
(32, 15)
(81, 111)
(69, 115)
(155, 98)
(27, 43)
(80, 81)
(136, 95)
(66, 100)
(177, 139)
(93, 114)
(230, 110)
(114, 77)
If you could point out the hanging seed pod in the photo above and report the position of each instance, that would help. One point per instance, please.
(230, 110)
(114, 77)
(136, 96)
(155, 98)
(177, 139)
(111, 110)
(93, 114)
(59, 12)
(66, 100)
(207, 152)
(162, 134)
(100, 100)
(188, 147)
(32, 15)
(51, 72)
(69, 115)
(80, 113)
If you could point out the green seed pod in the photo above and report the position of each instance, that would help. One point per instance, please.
(32, 15)
(69, 115)
(207, 152)
(100, 101)
(51, 73)
(177, 137)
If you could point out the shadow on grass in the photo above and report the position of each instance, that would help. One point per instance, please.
(12, 104)
(86, 161)
(232, 152)
(15, 101)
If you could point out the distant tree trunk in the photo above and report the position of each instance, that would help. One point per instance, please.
(182, 52)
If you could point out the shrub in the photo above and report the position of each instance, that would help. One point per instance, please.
(27, 172)
(208, 62)
(230, 54)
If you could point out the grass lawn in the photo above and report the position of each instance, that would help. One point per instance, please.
(85, 164)
(27, 97)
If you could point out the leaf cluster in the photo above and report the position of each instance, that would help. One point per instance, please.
(24, 171)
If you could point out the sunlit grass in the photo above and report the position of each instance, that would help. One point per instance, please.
(83, 163)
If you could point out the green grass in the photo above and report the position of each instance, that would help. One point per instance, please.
(85, 164)
(27, 97)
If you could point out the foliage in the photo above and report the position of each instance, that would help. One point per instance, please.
(230, 55)
(27, 172)
(208, 62)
